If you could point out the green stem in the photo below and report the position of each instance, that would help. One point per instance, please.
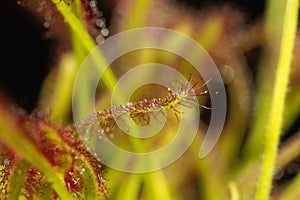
(157, 183)
(265, 80)
(234, 192)
(131, 191)
(137, 16)
(277, 104)
(77, 27)
(16, 180)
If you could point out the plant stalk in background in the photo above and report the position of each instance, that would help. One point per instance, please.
(279, 94)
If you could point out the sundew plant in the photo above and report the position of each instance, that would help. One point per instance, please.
(52, 152)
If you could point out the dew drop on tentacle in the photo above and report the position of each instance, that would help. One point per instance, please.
(98, 14)
(96, 23)
(102, 179)
(48, 17)
(93, 4)
(105, 32)
(46, 24)
(100, 22)
(100, 133)
(6, 161)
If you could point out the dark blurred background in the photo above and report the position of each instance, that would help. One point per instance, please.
(25, 55)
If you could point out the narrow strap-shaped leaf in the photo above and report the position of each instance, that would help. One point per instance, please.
(274, 124)
(16, 179)
(16, 140)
